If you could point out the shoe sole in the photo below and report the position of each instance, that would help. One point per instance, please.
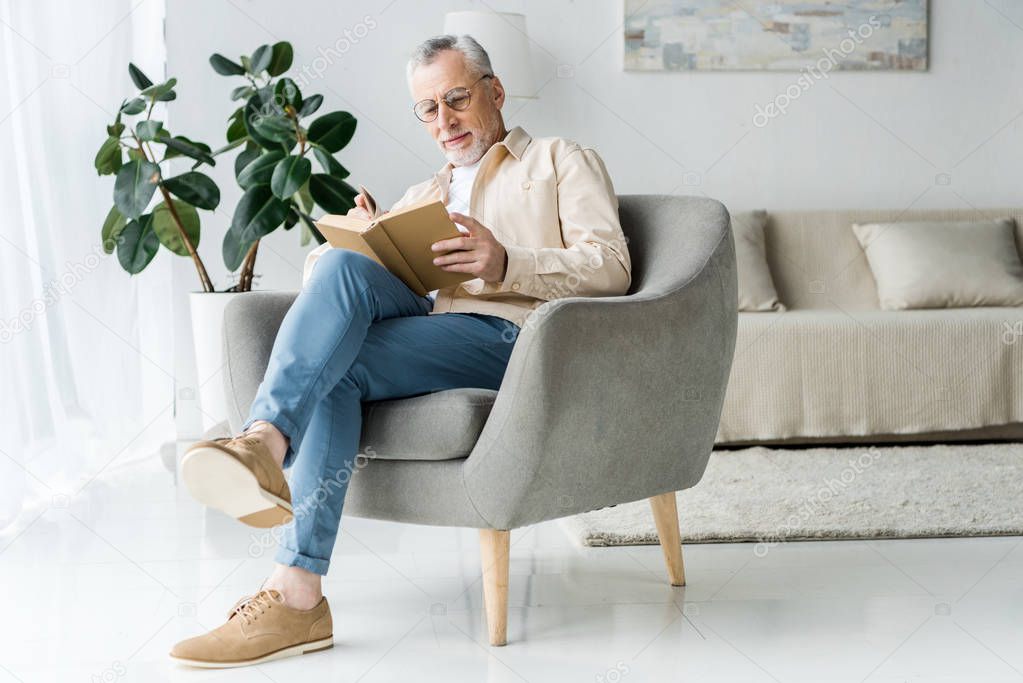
(293, 651)
(217, 479)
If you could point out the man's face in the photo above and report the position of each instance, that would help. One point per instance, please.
(463, 136)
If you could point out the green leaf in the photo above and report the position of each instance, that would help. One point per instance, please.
(140, 80)
(310, 105)
(289, 175)
(196, 188)
(333, 131)
(137, 245)
(108, 158)
(113, 224)
(258, 214)
(179, 145)
(156, 91)
(246, 63)
(260, 170)
(328, 163)
(306, 236)
(167, 96)
(266, 123)
(261, 59)
(292, 218)
(135, 106)
(225, 67)
(166, 230)
(236, 127)
(333, 194)
(305, 200)
(310, 226)
(148, 130)
(287, 92)
(136, 154)
(234, 249)
(281, 58)
(134, 186)
(228, 147)
(242, 92)
(114, 130)
(278, 129)
(246, 157)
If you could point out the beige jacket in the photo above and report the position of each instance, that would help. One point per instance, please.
(550, 203)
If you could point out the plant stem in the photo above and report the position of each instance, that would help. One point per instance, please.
(245, 277)
(204, 278)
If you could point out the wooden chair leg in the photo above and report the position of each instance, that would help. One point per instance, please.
(666, 518)
(494, 547)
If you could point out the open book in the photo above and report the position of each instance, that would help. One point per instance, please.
(399, 241)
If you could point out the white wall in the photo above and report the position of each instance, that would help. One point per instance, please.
(951, 136)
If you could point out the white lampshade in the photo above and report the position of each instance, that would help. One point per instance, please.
(503, 36)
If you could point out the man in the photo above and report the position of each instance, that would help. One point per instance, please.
(540, 221)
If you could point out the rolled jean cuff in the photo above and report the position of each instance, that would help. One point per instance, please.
(285, 427)
(292, 558)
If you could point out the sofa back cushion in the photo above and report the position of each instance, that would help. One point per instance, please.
(817, 262)
(943, 264)
(756, 287)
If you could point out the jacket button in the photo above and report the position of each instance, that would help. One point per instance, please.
(526, 185)
(515, 285)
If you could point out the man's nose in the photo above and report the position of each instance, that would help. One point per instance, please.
(445, 116)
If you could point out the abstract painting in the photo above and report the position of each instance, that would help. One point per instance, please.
(775, 35)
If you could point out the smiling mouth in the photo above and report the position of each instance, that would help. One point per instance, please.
(456, 139)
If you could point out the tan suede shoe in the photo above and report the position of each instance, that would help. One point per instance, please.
(238, 476)
(260, 628)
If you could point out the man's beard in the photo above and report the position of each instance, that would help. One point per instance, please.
(482, 140)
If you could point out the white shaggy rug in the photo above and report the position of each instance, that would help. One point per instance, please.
(771, 495)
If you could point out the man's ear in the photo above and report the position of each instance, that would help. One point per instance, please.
(498, 91)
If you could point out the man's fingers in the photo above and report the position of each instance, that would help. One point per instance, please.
(470, 267)
(455, 257)
(455, 243)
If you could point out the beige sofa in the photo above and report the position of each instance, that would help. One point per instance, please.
(834, 368)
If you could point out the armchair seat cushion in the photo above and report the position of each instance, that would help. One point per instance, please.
(443, 425)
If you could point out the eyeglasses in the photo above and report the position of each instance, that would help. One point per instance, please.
(456, 98)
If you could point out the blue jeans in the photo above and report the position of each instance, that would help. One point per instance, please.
(357, 333)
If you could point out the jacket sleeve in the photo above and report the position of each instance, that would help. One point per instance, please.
(595, 259)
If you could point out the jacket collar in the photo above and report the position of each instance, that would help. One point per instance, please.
(515, 142)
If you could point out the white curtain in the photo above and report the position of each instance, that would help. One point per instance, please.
(86, 356)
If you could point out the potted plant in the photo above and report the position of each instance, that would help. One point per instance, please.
(273, 168)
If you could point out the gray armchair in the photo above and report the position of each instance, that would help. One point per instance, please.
(605, 400)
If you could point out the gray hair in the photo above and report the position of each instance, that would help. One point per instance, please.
(476, 58)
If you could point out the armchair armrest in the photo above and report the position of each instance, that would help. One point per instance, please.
(613, 399)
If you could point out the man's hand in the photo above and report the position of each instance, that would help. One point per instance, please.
(478, 253)
(360, 210)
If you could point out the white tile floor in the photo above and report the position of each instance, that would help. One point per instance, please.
(99, 590)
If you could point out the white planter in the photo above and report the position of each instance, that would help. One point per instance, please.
(207, 310)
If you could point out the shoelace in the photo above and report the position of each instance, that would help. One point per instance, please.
(249, 608)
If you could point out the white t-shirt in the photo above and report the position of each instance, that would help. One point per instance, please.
(460, 193)
(460, 190)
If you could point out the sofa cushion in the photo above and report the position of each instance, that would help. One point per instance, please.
(815, 373)
(930, 264)
(756, 287)
(443, 425)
